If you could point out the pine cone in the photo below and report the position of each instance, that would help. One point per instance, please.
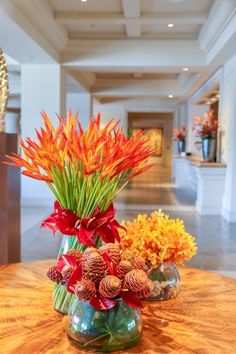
(139, 263)
(127, 256)
(76, 254)
(89, 250)
(94, 267)
(110, 286)
(123, 268)
(66, 273)
(146, 291)
(54, 275)
(135, 280)
(85, 289)
(112, 250)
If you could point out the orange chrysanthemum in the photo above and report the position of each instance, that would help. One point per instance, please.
(158, 239)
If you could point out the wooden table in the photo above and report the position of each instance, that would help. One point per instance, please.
(201, 320)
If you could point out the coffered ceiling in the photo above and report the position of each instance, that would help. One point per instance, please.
(131, 18)
(120, 49)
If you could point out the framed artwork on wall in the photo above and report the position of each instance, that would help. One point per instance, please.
(154, 136)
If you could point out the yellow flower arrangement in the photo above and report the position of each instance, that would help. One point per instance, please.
(158, 239)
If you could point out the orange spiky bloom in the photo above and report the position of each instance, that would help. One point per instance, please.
(98, 161)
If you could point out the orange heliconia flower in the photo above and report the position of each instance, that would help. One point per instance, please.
(106, 151)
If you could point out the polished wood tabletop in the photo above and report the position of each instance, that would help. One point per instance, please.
(201, 320)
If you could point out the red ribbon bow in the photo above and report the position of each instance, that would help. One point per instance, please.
(68, 223)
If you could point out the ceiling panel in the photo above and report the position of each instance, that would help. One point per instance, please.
(175, 6)
(95, 28)
(136, 75)
(176, 29)
(89, 6)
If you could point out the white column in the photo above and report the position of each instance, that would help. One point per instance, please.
(43, 87)
(81, 103)
(12, 122)
(229, 139)
(210, 189)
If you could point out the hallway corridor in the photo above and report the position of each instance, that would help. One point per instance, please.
(155, 189)
(216, 238)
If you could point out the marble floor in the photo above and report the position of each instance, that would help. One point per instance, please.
(216, 238)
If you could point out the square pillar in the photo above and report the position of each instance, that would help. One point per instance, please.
(229, 139)
(43, 88)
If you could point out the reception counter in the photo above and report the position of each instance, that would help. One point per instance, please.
(205, 179)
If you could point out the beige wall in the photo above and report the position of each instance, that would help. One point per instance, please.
(156, 120)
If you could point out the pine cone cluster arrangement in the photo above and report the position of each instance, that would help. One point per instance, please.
(123, 268)
(94, 266)
(127, 256)
(146, 291)
(76, 254)
(110, 286)
(54, 275)
(66, 274)
(85, 289)
(139, 263)
(135, 280)
(104, 273)
(113, 251)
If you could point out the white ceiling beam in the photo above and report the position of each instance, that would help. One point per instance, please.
(219, 28)
(122, 35)
(142, 87)
(21, 39)
(108, 19)
(132, 10)
(135, 54)
(41, 15)
(86, 79)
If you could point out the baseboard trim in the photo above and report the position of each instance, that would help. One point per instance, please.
(228, 215)
(208, 210)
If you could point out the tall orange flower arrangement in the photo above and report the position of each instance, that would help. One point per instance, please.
(85, 170)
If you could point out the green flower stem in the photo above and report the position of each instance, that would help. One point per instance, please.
(62, 299)
(95, 339)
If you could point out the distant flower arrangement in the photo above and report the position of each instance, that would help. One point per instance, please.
(158, 239)
(206, 126)
(179, 134)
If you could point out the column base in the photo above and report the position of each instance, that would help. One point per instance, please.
(228, 215)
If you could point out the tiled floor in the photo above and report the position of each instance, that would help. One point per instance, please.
(215, 237)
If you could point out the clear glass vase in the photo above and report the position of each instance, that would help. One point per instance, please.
(105, 331)
(166, 282)
(62, 299)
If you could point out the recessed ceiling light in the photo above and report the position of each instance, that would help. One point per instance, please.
(185, 69)
(170, 96)
(170, 25)
(83, 0)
